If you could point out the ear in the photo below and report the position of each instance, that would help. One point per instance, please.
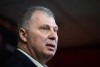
(23, 34)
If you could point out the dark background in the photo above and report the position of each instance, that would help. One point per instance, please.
(79, 30)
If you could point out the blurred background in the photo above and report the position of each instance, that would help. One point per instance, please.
(79, 30)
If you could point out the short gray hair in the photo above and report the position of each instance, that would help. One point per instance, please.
(24, 19)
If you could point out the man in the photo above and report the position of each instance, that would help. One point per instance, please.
(37, 38)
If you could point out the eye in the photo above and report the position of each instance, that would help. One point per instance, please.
(56, 29)
(44, 28)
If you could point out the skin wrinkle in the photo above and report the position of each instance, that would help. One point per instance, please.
(37, 38)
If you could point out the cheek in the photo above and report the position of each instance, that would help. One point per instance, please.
(37, 39)
(39, 43)
(41, 40)
(40, 37)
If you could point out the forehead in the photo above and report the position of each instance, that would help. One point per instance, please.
(42, 18)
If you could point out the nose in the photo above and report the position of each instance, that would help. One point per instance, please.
(53, 35)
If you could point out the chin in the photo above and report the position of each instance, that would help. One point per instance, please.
(50, 54)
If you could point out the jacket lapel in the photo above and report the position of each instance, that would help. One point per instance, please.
(24, 59)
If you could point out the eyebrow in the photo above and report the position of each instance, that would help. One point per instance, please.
(49, 26)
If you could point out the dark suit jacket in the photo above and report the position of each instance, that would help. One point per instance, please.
(19, 60)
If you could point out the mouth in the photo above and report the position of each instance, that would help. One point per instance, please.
(51, 47)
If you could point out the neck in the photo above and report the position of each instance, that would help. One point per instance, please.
(28, 49)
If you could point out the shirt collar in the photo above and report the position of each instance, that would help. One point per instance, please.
(32, 59)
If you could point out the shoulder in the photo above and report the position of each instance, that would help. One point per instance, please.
(18, 59)
(13, 61)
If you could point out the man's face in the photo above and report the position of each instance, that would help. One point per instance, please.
(42, 35)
